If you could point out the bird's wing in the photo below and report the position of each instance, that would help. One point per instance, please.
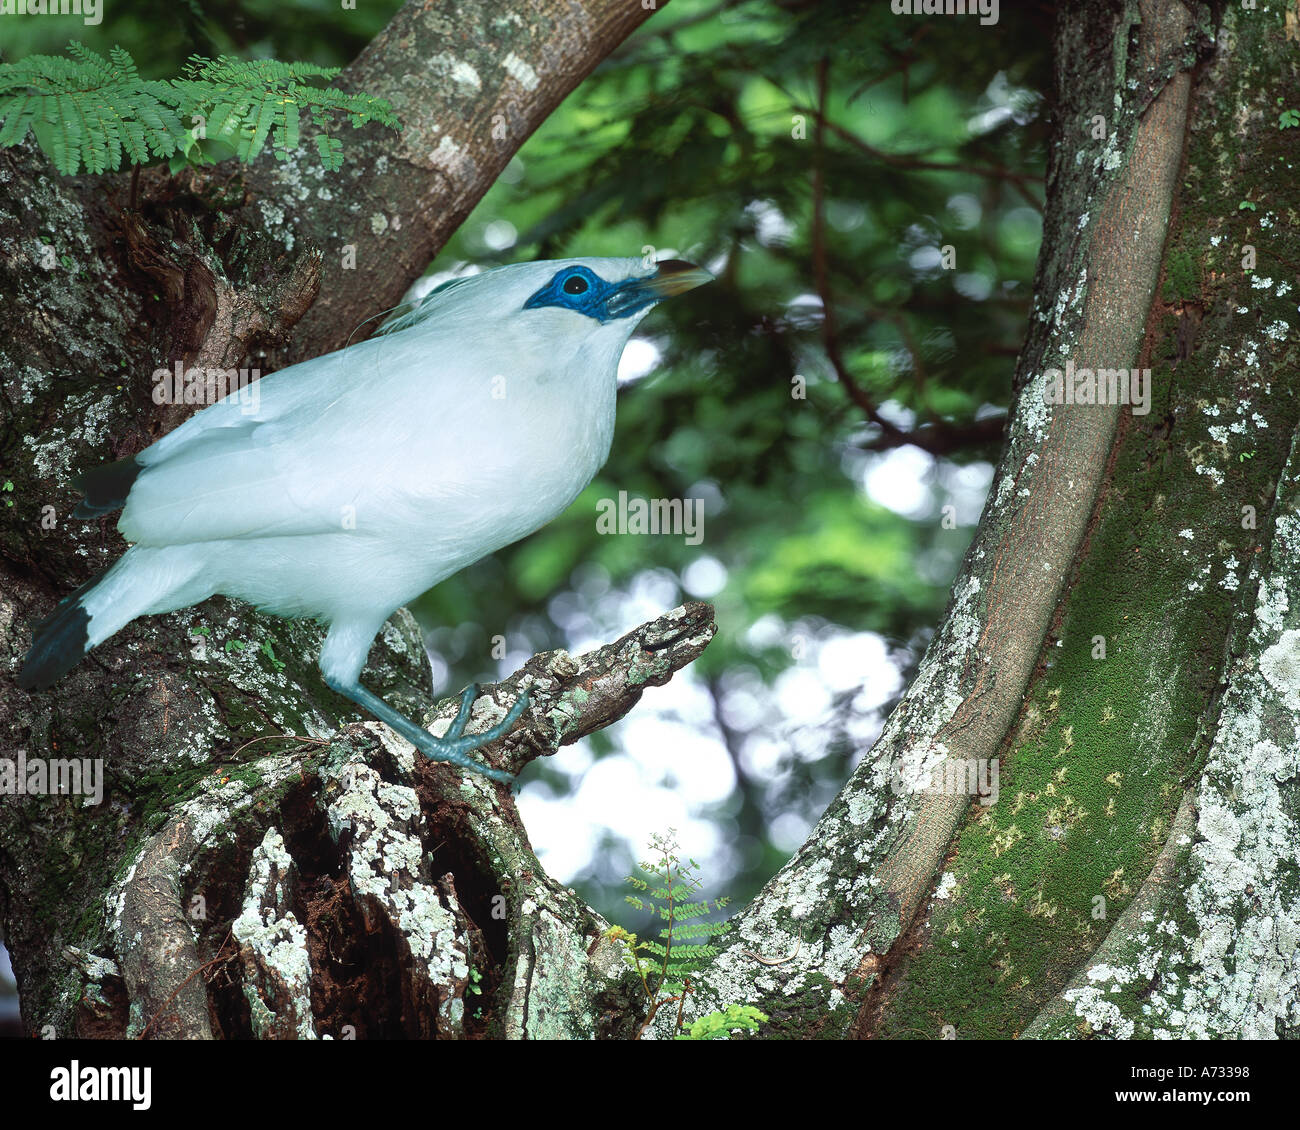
(290, 467)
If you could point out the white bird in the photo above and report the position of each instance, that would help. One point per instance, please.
(366, 476)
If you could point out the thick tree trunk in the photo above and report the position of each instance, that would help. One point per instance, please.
(1107, 597)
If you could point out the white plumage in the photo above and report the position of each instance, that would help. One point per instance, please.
(364, 477)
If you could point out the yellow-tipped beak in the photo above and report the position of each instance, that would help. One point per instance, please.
(673, 277)
(676, 276)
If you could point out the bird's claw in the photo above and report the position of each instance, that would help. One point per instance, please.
(457, 727)
(455, 745)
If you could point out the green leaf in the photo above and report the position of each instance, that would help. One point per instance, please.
(287, 134)
(719, 1025)
(90, 113)
(269, 652)
(331, 152)
(265, 119)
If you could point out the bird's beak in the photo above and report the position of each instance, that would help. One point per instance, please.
(676, 276)
(673, 277)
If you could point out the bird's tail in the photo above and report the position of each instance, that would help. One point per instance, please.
(143, 580)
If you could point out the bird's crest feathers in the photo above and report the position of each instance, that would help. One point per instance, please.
(524, 279)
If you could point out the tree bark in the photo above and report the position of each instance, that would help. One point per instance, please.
(471, 81)
(1100, 897)
(1105, 598)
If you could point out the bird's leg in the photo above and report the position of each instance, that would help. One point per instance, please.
(454, 746)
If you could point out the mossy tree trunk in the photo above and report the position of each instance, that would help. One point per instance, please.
(1122, 641)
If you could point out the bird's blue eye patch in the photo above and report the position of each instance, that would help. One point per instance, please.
(583, 291)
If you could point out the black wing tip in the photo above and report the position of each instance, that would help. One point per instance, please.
(106, 487)
(58, 642)
(58, 647)
(86, 510)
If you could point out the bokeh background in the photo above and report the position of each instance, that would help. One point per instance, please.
(817, 157)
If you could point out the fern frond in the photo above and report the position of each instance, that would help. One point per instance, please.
(21, 109)
(266, 116)
(688, 954)
(224, 120)
(101, 141)
(90, 112)
(693, 930)
(685, 944)
(330, 150)
(124, 65)
(57, 134)
(719, 1025)
(286, 134)
(92, 63)
(131, 128)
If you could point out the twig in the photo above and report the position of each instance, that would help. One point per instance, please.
(912, 161)
(830, 338)
(197, 970)
(937, 438)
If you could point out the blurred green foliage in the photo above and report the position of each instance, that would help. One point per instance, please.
(700, 137)
(697, 137)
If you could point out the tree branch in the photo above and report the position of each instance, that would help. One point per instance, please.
(471, 81)
(821, 274)
(418, 854)
(573, 697)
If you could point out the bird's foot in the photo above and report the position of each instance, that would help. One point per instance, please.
(455, 745)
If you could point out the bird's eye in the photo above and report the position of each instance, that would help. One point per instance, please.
(575, 284)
